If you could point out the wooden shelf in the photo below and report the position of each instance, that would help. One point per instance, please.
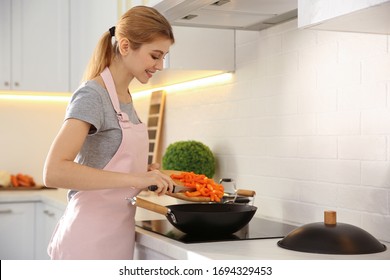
(155, 120)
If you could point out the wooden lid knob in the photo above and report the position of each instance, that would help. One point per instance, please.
(248, 193)
(330, 218)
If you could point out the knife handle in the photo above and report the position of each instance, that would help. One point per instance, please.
(152, 188)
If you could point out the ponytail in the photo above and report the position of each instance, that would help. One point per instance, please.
(101, 58)
(139, 25)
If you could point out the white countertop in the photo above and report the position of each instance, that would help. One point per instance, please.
(53, 197)
(261, 249)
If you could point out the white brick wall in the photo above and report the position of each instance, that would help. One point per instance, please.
(305, 122)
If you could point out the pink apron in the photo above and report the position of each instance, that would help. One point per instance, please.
(99, 224)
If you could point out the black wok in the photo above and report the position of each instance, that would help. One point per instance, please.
(203, 218)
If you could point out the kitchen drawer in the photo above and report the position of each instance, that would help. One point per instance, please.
(17, 222)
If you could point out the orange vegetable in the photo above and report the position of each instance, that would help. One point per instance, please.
(22, 180)
(205, 187)
(192, 194)
(14, 181)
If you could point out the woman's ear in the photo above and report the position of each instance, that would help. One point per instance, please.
(124, 46)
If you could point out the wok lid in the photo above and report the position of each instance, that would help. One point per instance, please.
(329, 237)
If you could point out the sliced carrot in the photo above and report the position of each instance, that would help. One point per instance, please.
(24, 184)
(204, 192)
(192, 194)
(22, 180)
(14, 181)
(205, 187)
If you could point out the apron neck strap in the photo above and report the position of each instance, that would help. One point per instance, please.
(110, 85)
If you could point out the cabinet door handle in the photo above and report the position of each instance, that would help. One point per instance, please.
(16, 84)
(6, 211)
(6, 84)
(47, 212)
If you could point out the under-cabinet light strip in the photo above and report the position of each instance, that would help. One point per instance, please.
(208, 81)
(60, 97)
(34, 96)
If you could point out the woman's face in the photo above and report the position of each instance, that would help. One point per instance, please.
(145, 61)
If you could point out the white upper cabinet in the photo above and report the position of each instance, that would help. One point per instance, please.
(90, 19)
(34, 49)
(5, 45)
(366, 16)
(47, 44)
(197, 53)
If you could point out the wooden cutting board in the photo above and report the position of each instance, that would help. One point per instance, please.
(182, 196)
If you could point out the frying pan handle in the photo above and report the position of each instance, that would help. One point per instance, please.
(148, 205)
(248, 193)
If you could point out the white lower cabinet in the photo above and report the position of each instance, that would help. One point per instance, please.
(46, 220)
(25, 229)
(17, 222)
(142, 252)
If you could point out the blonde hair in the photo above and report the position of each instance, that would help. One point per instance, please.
(139, 25)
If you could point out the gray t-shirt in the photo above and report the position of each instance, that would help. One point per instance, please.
(91, 103)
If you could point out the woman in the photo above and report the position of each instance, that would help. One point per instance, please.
(100, 152)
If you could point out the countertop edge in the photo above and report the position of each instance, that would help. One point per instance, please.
(55, 198)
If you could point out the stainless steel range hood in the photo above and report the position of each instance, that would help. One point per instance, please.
(228, 14)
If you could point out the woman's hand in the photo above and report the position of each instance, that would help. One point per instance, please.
(162, 181)
(153, 166)
(165, 183)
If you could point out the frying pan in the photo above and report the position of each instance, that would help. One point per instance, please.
(202, 218)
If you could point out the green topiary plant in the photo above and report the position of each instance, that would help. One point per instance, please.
(189, 156)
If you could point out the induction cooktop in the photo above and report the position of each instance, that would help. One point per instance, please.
(257, 228)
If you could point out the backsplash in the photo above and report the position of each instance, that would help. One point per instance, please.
(27, 129)
(305, 123)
